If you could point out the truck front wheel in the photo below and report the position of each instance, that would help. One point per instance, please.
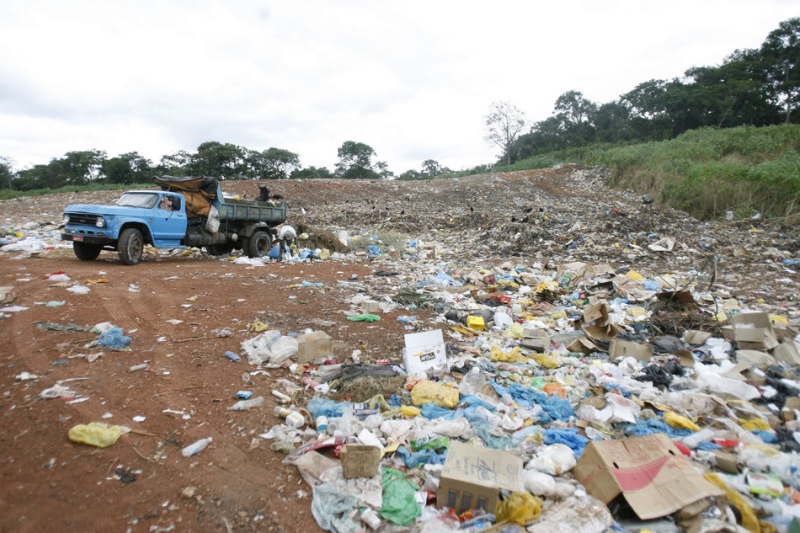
(85, 251)
(259, 244)
(131, 246)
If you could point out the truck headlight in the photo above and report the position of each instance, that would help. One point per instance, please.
(66, 219)
(101, 222)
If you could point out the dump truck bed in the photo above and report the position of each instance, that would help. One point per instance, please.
(251, 211)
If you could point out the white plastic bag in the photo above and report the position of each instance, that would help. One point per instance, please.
(538, 483)
(212, 225)
(555, 460)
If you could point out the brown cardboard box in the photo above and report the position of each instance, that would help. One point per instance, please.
(312, 345)
(752, 331)
(650, 472)
(696, 338)
(473, 476)
(621, 348)
(535, 339)
(786, 352)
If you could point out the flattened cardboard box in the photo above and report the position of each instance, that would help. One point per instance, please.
(621, 348)
(473, 476)
(650, 472)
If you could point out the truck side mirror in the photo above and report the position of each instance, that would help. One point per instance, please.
(176, 204)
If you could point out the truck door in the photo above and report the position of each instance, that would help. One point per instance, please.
(169, 221)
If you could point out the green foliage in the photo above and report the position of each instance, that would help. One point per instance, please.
(311, 173)
(709, 171)
(355, 161)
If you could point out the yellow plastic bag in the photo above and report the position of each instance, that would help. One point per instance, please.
(95, 434)
(514, 331)
(520, 507)
(544, 360)
(407, 410)
(325, 254)
(426, 392)
(754, 424)
(680, 422)
(259, 326)
(511, 357)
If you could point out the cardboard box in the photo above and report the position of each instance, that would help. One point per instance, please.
(370, 306)
(535, 339)
(752, 331)
(359, 460)
(473, 476)
(312, 345)
(423, 351)
(653, 476)
(786, 352)
(621, 348)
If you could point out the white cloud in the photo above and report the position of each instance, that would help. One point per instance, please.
(412, 79)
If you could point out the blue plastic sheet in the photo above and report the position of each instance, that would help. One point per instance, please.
(554, 408)
(275, 252)
(708, 446)
(323, 407)
(446, 280)
(432, 411)
(567, 436)
(767, 436)
(414, 459)
(113, 338)
(641, 428)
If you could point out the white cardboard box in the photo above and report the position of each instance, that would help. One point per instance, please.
(425, 350)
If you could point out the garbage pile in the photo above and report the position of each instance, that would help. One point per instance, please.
(582, 396)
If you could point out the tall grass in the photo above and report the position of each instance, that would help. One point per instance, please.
(709, 171)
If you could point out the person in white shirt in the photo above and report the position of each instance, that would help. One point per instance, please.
(287, 237)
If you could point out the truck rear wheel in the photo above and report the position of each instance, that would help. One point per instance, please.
(85, 251)
(259, 244)
(131, 246)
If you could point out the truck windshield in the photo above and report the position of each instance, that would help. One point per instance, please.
(138, 199)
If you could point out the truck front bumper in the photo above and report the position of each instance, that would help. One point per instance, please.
(88, 239)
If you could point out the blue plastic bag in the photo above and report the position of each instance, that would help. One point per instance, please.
(113, 338)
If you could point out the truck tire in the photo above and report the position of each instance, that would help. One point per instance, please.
(220, 249)
(131, 246)
(259, 244)
(85, 251)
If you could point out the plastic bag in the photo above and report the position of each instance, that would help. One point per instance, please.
(538, 483)
(554, 460)
(426, 392)
(399, 498)
(212, 225)
(680, 422)
(113, 338)
(472, 382)
(331, 509)
(95, 434)
(520, 507)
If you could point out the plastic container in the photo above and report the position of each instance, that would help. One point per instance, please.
(293, 418)
(244, 405)
(233, 357)
(196, 447)
(322, 423)
(555, 389)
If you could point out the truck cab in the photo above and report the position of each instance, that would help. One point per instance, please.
(136, 219)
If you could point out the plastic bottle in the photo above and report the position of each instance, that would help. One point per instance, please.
(244, 405)
(293, 418)
(196, 447)
(371, 518)
(233, 357)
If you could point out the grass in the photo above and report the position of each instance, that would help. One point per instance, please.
(9, 194)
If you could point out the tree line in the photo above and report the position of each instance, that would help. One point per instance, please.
(755, 87)
(356, 160)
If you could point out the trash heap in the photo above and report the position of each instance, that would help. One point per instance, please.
(581, 398)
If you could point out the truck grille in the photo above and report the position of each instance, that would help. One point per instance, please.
(82, 220)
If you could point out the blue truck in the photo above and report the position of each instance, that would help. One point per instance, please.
(185, 212)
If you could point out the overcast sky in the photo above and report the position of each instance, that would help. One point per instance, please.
(412, 79)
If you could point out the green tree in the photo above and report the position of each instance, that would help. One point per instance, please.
(128, 168)
(222, 160)
(311, 173)
(273, 163)
(504, 123)
(177, 164)
(7, 173)
(431, 168)
(781, 55)
(355, 161)
(575, 113)
(410, 175)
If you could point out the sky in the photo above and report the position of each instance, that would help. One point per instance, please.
(412, 79)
